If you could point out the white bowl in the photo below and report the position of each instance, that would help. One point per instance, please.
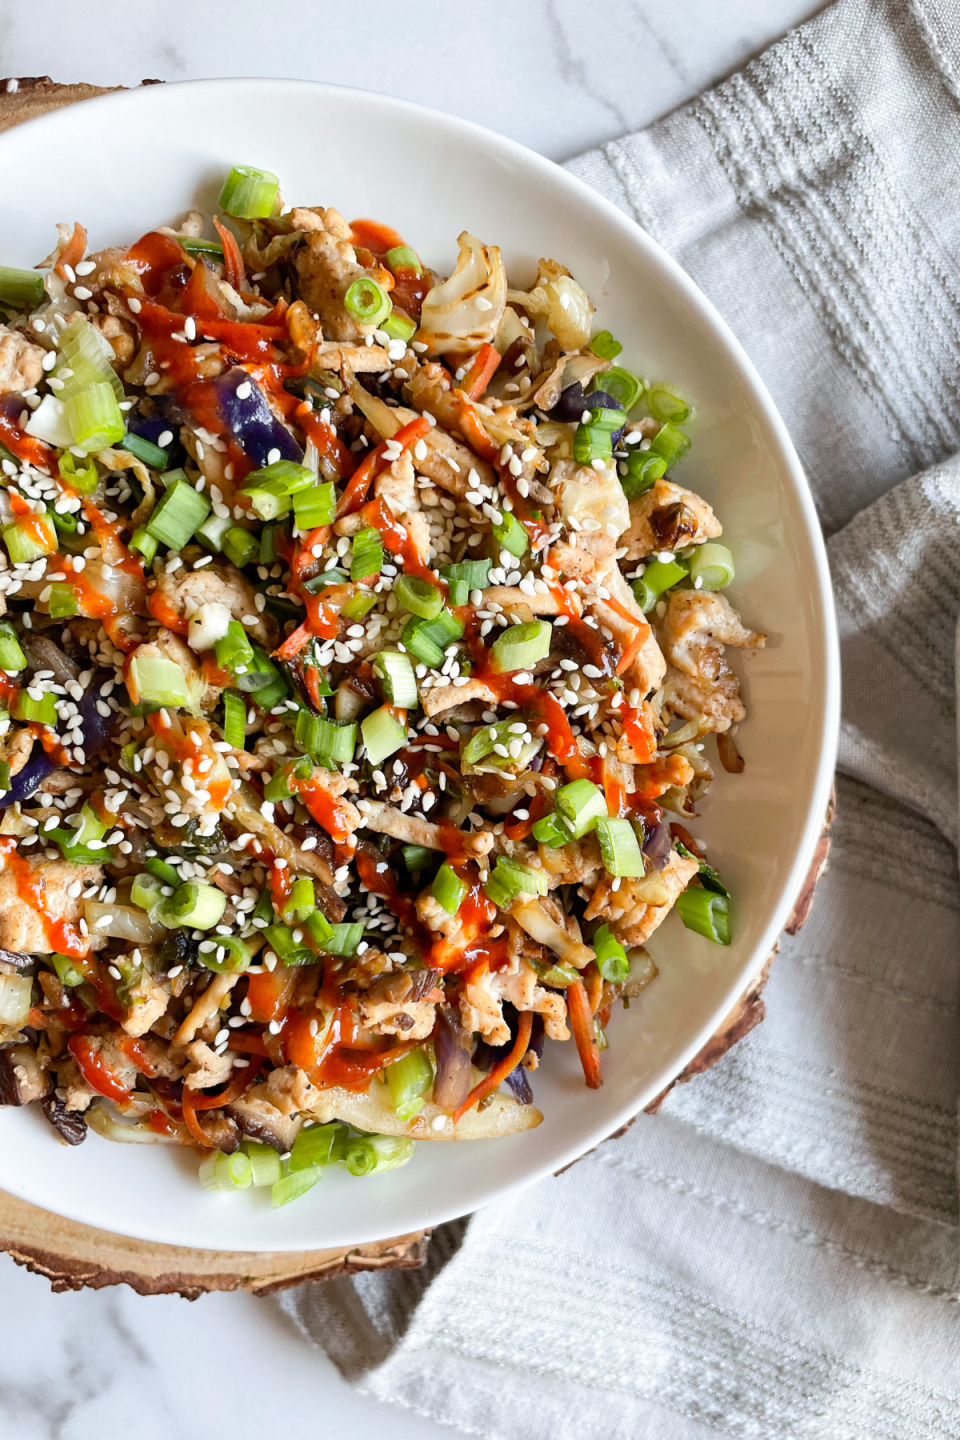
(126, 162)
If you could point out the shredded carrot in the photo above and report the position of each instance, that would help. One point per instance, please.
(475, 435)
(581, 1023)
(359, 483)
(502, 1069)
(293, 644)
(633, 649)
(74, 250)
(232, 259)
(311, 678)
(481, 372)
(624, 613)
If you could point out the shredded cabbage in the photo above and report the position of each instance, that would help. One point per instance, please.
(464, 312)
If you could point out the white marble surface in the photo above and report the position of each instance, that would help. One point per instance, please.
(558, 76)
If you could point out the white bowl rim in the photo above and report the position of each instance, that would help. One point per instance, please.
(828, 716)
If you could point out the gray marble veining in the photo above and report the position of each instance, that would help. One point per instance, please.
(559, 76)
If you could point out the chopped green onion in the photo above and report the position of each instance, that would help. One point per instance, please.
(249, 193)
(418, 596)
(163, 872)
(320, 582)
(4, 775)
(234, 651)
(706, 913)
(509, 879)
(67, 972)
(230, 957)
(520, 646)
(367, 554)
(371, 1154)
(86, 358)
(711, 567)
(462, 578)
(198, 905)
(619, 848)
(399, 327)
(213, 530)
(271, 489)
(240, 546)
(483, 740)
(42, 711)
(344, 939)
(301, 901)
(147, 891)
(11, 651)
(291, 1187)
(93, 417)
(415, 857)
(408, 1080)
(315, 506)
(603, 418)
(152, 455)
(427, 639)
(359, 605)
(397, 681)
(367, 302)
(581, 804)
(144, 542)
(604, 345)
(20, 289)
(263, 910)
(331, 742)
(553, 831)
(65, 522)
(658, 576)
(266, 1167)
(383, 734)
(448, 889)
(640, 472)
(79, 475)
(194, 246)
(226, 1172)
(289, 951)
(319, 929)
(623, 385)
(313, 1148)
(177, 515)
(401, 257)
(665, 404)
(590, 443)
(30, 537)
(671, 443)
(261, 676)
(511, 534)
(63, 602)
(234, 719)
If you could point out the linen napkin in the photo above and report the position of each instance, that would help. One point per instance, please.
(776, 1254)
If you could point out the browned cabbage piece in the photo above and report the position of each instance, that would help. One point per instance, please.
(464, 312)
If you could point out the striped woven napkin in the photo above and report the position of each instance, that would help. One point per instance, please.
(776, 1254)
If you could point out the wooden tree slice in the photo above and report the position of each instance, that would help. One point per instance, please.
(74, 1256)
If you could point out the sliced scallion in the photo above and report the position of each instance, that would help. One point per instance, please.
(619, 848)
(313, 1147)
(665, 404)
(292, 1186)
(511, 535)
(397, 681)
(153, 455)
(408, 1080)
(383, 734)
(581, 804)
(625, 387)
(63, 603)
(612, 959)
(29, 537)
(640, 472)
(402, 257)
(367, 554)
(706, 913)
(177, 515)
(93, 417)
(240, 546)
(315, 506)
(249, 193)
(658, 577)
(234, 652)
(553, 831)
(448, 889)
(671, 443)
(711, 567)
(521, 646)
(234, 719)
(42, 711)
(367, 302)
(197, 904)
(20, 289)
(399, 327)
(226, 1172)
(509, 879)
(604, 345)
(11, 651)
(418, 596)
